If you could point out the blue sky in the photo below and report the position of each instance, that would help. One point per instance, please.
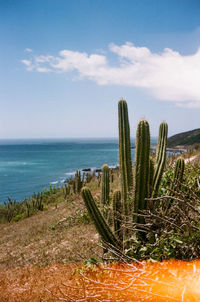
(65, 64)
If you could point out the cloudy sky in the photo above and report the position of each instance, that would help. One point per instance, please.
(65, 64)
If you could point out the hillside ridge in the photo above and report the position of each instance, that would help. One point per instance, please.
(187, 138)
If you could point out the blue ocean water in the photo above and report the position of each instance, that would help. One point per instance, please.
(29, 166)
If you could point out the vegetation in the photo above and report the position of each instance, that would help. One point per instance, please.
(152, 224)
(12, 211)
(156, 218)
(185, 139)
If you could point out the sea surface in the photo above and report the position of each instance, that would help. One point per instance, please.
(29, 166)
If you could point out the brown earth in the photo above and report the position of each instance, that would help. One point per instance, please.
(57, 235)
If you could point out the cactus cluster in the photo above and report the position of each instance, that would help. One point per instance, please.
(139, 181)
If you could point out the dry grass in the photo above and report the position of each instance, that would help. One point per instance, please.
(52, 236)
(31, 284)
(159, 282)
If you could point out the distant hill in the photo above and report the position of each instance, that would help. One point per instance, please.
(185, 138)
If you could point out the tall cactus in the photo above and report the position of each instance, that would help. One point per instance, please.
(99, 221)
(124, 153)
(105, 185)
(117, 214)
(160, 157)
(141, 185)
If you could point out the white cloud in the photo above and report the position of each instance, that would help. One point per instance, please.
(29, 65)
(43, 69)
(28, 50)
(167, 75)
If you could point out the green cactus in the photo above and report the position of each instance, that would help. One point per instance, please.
(66, 190)
(105, 185)
(78, 182)
(160, 157)
(151, 174)
(117, 214)
(124, 154)
(141, 185)
(179, 170)
(111, 176)
(99, 221)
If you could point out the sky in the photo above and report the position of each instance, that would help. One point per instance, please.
(64, 65)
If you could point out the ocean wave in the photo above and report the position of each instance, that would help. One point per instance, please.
(54, 182)
(16, 163)
(70, 173)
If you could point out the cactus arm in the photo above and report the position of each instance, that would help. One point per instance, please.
(179, 169)
(105, 185)
(124, 153)
(141, 186)
(178, 173)
(99, 221)
(160, 157)
(151, 174)
(117, 214)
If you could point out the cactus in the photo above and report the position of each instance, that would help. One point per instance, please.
(99, 221)
(151, 174)
(105, 191)
(178, 173)
(141, 185)
(160, 157)
(78, 182)
(111, 176)
(124, 153)
(105, 185)
(117, 214)
(145, 184)
(66, 190)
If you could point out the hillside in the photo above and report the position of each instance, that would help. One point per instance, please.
(185, 138)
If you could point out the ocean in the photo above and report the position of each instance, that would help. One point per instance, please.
(29, 166)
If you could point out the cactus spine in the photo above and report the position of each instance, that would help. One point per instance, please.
(117, 214)
(160, 157)
(99, 221)
(141, 185)
(105, 185)
(124, 153)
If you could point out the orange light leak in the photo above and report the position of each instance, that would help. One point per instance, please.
(159, 282)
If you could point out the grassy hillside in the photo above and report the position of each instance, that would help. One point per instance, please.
(185, 138)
